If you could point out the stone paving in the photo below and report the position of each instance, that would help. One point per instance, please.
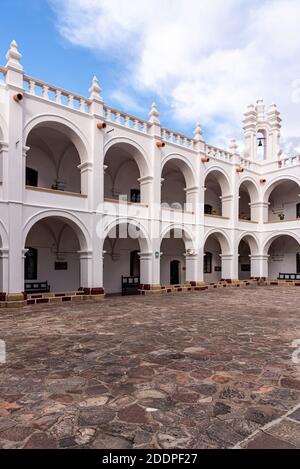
(211, 369)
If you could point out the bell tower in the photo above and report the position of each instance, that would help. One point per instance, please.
(262, 132)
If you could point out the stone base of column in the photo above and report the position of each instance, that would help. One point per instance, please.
(12, 300)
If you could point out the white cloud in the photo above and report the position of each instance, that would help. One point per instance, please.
(206, 59)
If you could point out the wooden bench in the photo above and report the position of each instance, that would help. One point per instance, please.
(130, 285)
(37, 287)
(288, 276)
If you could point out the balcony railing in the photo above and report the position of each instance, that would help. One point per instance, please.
(215, 152)
(170, 136)
(127, 120)
(58, 95)
(289, 161)
(55, 191)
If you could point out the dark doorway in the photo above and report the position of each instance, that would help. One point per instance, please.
(175, 272)
(134, 264)
(298, 210)
(31, 264)
(31, 177)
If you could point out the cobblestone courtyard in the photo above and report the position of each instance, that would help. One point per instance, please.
(197, 370)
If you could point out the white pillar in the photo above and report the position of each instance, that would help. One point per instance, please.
(4, 269)
(146, 184)
(146, 268)
(259, 265)
(86, 172)
(226, 205)
(228, 267)
(259, 211)
(192, 267)
(192, 198)
(86, 268)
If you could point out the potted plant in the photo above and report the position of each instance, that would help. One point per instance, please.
(281, 216)
(58, 185)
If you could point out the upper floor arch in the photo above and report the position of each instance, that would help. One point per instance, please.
(56, 151)
(217, 192)
(177, 231)
(126, 166)
(70, 219)
(178, 181)
(281, 198)
(248, 195)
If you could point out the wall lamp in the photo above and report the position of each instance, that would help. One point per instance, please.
(18, 97)
(101, 125)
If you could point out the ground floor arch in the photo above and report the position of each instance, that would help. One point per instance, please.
(55, 252)
(283, 255)
(217, 257)
(177, 256)
(126, 257)
(247, 254)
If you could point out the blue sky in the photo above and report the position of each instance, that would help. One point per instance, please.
(200, 61)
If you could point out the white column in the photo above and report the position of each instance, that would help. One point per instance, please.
(4, 270)
(259, 211)
(227, 205)
(259, 265)
(146, 268)
(146, 185)
(4, 168)
(192, 267)
(191, 198)
(86, 268)
(228, 267)
(86, 171)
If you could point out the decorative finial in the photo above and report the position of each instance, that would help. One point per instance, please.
(95, 90)
(233, 146)
(260, 108)
(198, 134)
(154, 115)
(13, 56)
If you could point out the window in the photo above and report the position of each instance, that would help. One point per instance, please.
(135, 196)
(31, 258)
(298, 210)
(31, 177)
(207, 263)
(134, 264)
(208, 209)
(298, 263)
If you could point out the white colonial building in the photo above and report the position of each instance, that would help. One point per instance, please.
(89, 194)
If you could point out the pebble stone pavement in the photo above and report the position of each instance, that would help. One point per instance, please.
(209, 369)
